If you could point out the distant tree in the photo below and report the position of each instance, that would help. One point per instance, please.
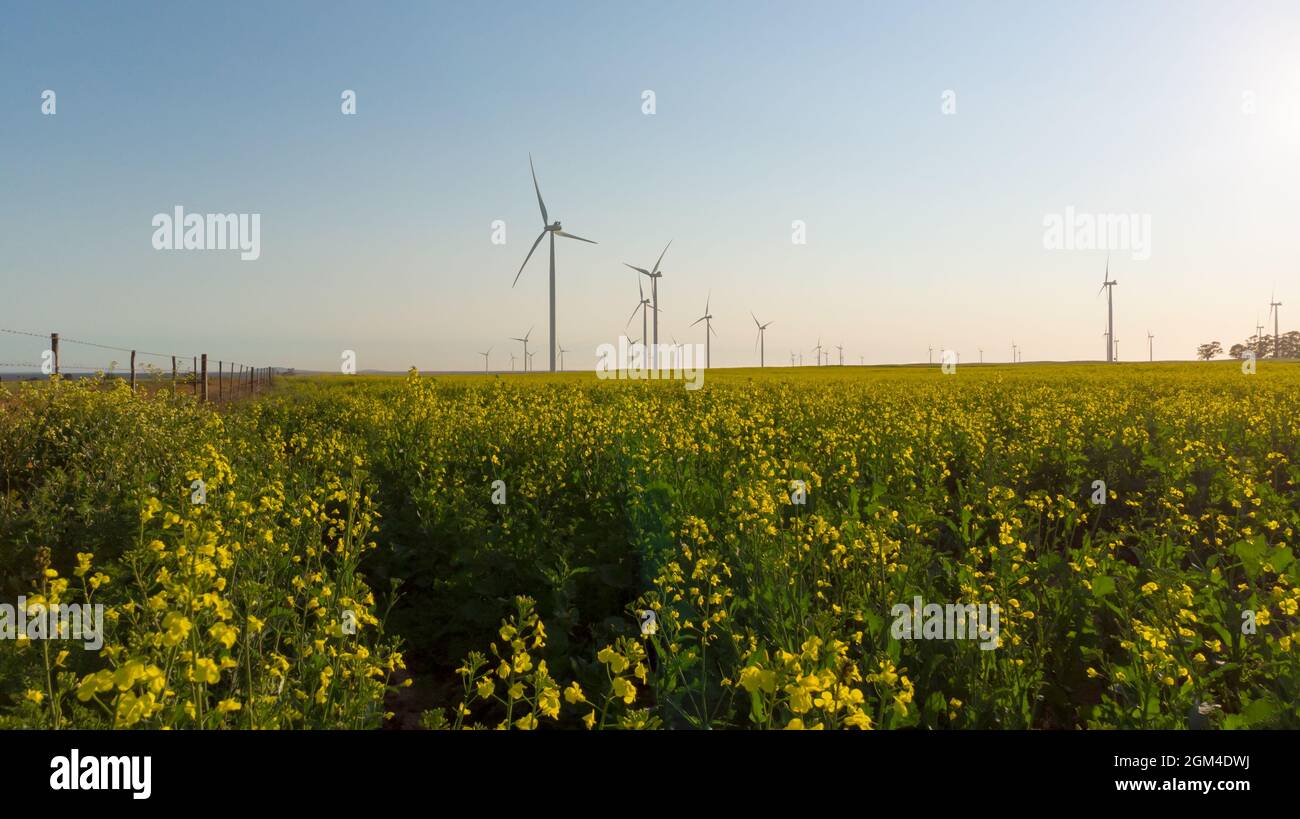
(1263, 346)
(1208, 351)
(1291, 344)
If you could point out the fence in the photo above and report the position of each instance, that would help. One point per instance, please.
(229, 385)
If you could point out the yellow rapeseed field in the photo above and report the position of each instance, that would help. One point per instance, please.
(532, 551)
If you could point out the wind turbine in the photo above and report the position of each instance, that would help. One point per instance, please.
(707, 318)
(1277, 338)
(840, 347)
(818, 351)
(562, 352)
(760, 343)
(554, 230)
(1115, 342)
(512, 362)
(1013, 352)
(930, 355)
(525, 341)
(981, 355)
(1110, 310)
(654, 275)
(1151, 347)
(530, 362)
(642, 304)
(485, 358)
(792, 358)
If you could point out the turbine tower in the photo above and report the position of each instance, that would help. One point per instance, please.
(554, 229)
(760, 342)
(525, 341)
(654, 275)
(1277, 338)
(1151, 347)
(562, 352)
(840, 347)
(642, 304)
(1109, 287)
(485, 358)
(707, 318)
(818, 351)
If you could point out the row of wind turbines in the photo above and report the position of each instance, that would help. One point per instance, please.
(649, 308)
(647, 305)
(1112, 343)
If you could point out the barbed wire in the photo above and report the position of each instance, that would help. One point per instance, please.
(63, 340)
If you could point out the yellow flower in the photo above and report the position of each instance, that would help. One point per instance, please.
(205, 671)
(617, 662)
(624, 688)
(573, 694)
(35, 696)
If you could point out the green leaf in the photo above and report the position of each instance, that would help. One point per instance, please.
(1103, 585)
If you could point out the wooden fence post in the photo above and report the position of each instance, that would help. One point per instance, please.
(54, 347)
(221, 370)
(173, 375)
(204, 388)
(133, 371)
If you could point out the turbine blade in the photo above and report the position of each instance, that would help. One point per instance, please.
(571, 236)
(640, 289)
(629, 320)
(540, 236)
(637, 269)
(661, 255)
(697, 321)
(545, 219)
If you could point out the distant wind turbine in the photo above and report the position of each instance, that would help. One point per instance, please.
(562, 352)
(707, 318)
(760, 342)
(1151, 346)
(485, 358)
(525, 341)
(512, 362)
(554, 229)
(1277, 338)
(654, 275)
(840, 347)
(1109, 287)
(642, 304)
(818, 351)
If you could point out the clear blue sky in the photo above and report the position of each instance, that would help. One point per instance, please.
(923, 228)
